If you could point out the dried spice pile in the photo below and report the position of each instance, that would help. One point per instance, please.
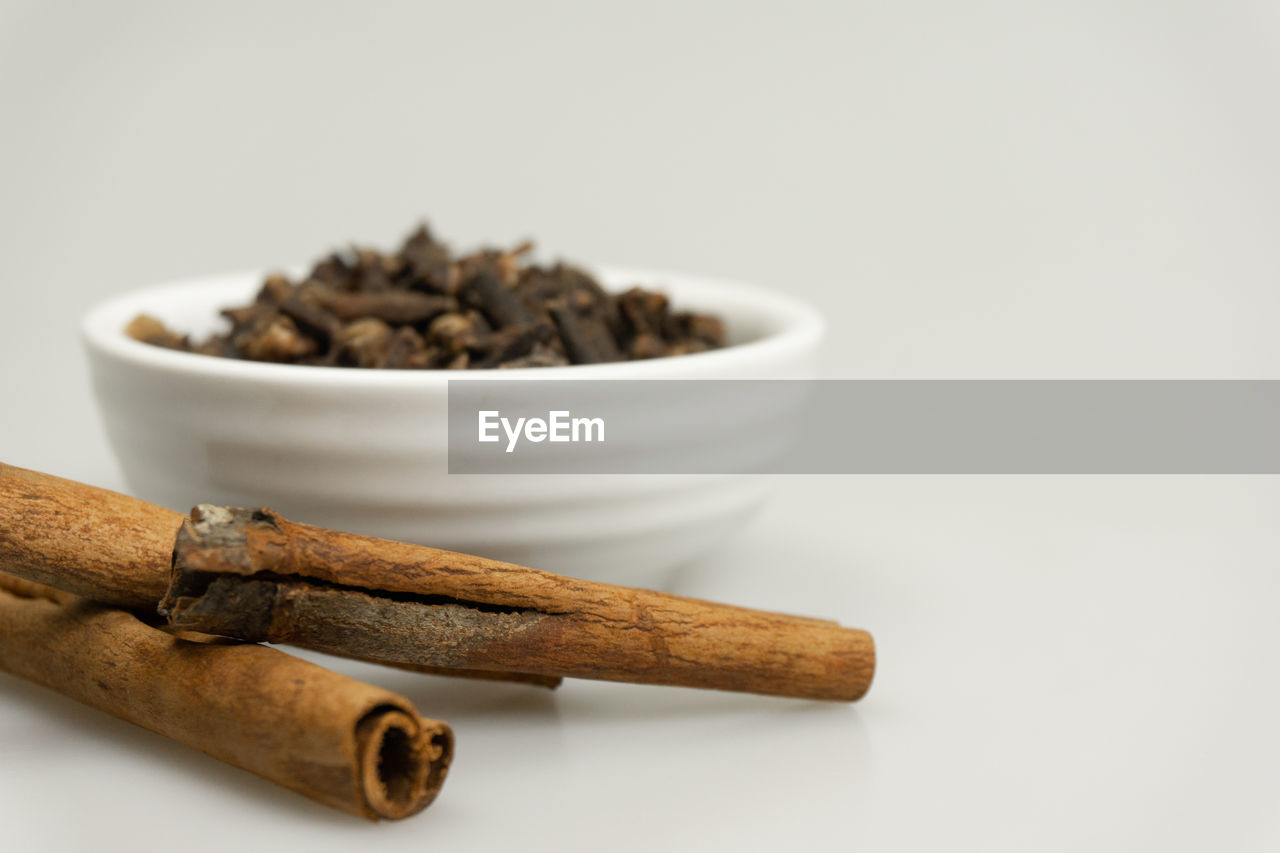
(424, 308)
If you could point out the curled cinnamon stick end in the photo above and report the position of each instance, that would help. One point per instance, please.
(251, 574)
(402, 762)
(339, 741)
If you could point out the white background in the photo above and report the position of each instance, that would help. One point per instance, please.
(990, 190)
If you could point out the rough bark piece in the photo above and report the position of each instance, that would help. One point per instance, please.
(254, 575)
(336, 740)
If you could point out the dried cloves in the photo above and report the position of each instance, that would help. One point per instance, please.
(422, 307)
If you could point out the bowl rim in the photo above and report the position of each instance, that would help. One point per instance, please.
(800, 326)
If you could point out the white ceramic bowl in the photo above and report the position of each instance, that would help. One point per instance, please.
(366, 450)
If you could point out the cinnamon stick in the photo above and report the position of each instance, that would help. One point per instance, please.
(251, 574)
(254, 575)
(336, 740)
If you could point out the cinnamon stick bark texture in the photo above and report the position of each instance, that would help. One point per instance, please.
(96, 543)
(336, 740)
(254, 575)
(112, 548)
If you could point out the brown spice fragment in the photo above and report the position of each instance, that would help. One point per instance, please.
(512, 343)
(397, 307)
(427, 263)
(643, 311)
(245, 317)
(499, 303)
(407, 350)
(275, 289)
(586, 337)
(274, 338)
(455, 332)
(312, 319)
(646, 345)
(363, 343)
(373, 272)
(149, 330)
(334, 270)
